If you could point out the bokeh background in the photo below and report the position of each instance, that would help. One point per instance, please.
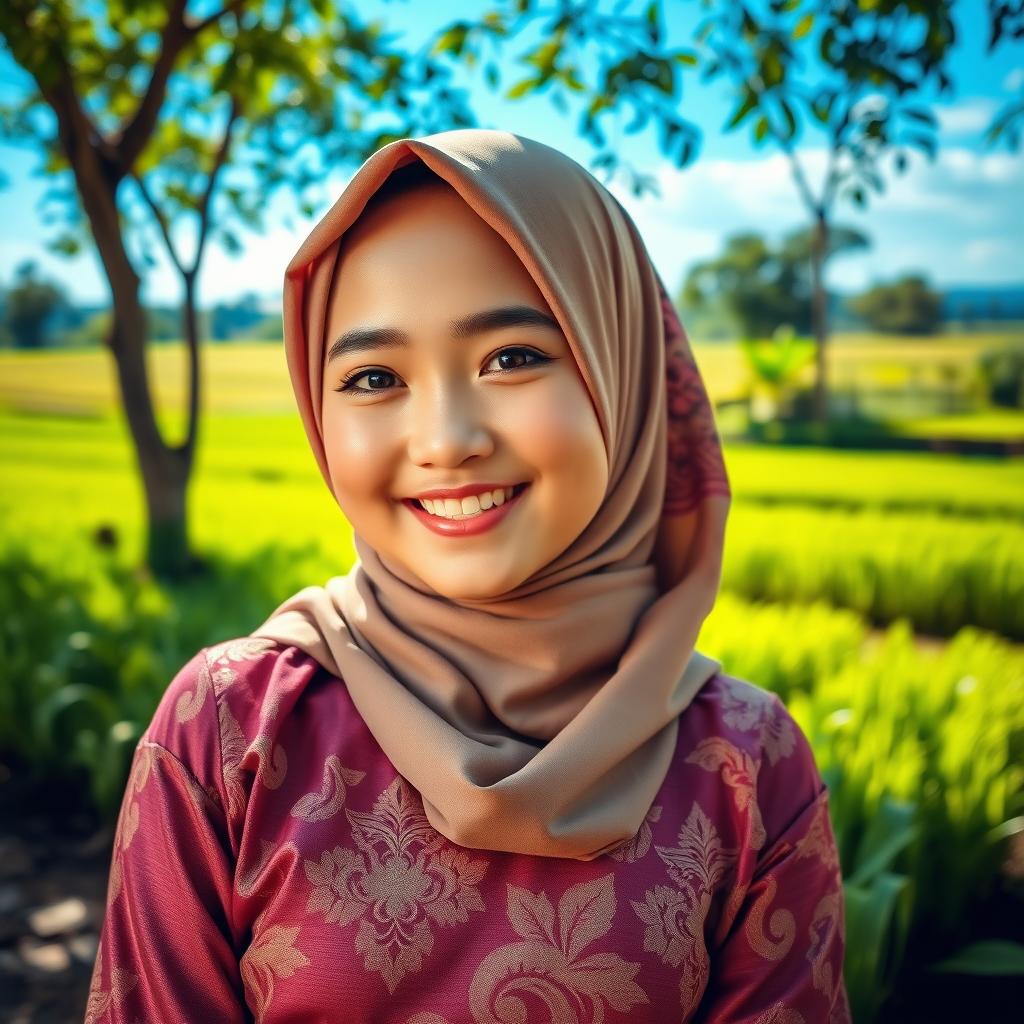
(831, 189)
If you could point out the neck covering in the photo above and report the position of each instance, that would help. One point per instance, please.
(543, 720)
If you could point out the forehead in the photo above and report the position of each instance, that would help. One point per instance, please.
(424, 212)
(425, 248)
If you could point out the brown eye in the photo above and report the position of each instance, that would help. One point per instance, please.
(509, 353)
(348, 383)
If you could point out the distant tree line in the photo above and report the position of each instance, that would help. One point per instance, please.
(35, 312)
(754, 287)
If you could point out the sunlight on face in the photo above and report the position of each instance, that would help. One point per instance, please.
(505, 404)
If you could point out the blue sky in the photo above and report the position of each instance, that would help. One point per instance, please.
(959, 220)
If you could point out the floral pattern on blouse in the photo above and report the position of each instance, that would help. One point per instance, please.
(271, 865)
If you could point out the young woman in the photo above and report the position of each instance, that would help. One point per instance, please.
(484, 776)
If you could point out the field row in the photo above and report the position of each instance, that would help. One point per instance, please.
(806, 525)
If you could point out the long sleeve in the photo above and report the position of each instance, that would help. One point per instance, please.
(781, 961)
(166, 952)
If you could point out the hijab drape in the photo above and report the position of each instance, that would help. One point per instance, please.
(541, 721)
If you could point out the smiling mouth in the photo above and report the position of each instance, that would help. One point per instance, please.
(461, 517)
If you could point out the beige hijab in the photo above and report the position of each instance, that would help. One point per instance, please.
(542, 721)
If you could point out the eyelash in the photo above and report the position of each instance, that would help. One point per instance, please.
(348, 385)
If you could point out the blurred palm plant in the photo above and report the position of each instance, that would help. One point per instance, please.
(774, 367)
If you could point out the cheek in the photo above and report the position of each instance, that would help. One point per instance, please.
(560, 435)
(355, 457)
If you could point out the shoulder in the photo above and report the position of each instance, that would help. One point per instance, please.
(233, 680)
(749, 736)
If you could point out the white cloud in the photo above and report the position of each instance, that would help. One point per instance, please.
(969, 117)
(981, 251)
(957, 220)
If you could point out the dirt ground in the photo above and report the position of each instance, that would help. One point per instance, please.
(54, 863)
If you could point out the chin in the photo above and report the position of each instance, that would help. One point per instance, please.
(473, 588)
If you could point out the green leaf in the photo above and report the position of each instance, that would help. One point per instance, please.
(522, 88)
(748, 104)
(787, 112)
(66, 245)
(772, 71)
(761, 129)
(891, 830)
(452, 39)
(877, 924)
(687, 57)
(653, 27)
(803, 26)
(79, 704)
(989, 957)
(569, 77)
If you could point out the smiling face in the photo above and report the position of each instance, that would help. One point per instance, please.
(499, 401)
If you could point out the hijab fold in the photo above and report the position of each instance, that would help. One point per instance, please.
(543, 720)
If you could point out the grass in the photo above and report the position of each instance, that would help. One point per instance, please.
(935, 539)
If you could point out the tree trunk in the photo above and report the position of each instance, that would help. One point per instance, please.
(819, 318)
(164, 470)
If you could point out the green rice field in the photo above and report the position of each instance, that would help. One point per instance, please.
(881, 594)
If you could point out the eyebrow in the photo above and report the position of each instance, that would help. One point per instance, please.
(367, 339)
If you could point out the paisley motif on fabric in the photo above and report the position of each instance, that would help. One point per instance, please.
(222, 659)
(547, 976)
(819, 841)
(822, 931)
(146, 755)
(247, 648)
(271, 760)
(232, 750)
(739, 771)
(189, 704)
(331, 798)
(101, 1000)
(782, 925)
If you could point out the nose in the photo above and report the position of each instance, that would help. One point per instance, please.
(449, 426)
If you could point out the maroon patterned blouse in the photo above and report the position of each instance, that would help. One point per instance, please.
(270, 865)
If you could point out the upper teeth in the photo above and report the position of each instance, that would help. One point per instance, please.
(456, 508)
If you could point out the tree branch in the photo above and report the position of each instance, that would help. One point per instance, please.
(233, 7)
(218, 162)
(803, 186)
(177, 33)
(162, 222)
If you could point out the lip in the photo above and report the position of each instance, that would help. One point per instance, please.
(464, 527)
(464, 491)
